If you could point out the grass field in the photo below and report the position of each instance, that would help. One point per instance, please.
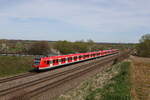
(140, 78)
(11, 65)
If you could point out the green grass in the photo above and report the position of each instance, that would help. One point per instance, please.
(12, 65)
(117, 89)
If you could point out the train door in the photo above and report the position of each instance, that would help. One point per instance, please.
(80, 57)
(70, 59)
(94, 55)
(75, 58)
(88, 56)
(97, 54)
(63, 60)
(49, 63)
(91, 55)
(59, 61)
(84, 56)
(103, 53)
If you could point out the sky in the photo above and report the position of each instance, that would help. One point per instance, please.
(117, 21)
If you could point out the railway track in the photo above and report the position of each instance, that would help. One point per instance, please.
(18, 81)
(70, 77)
(35, 87)
(17, 77)
(11, 78)
(22, 86)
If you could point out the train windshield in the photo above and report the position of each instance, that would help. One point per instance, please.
(37, 61)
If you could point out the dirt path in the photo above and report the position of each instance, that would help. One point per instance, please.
(140, 78)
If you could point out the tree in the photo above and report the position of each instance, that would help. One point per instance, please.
(81, 47)
(145, 38)
(39, 48)
(143, 48)
(19, 48)
(64, 47)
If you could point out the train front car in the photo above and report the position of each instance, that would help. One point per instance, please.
(36, 63)
(39, 63)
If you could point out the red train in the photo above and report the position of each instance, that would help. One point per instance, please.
(54, 61)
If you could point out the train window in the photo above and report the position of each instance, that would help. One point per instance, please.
(63, 59)
(55, 61)
(75, 58)
(70, 58)
(36, 62)
(48, 62)
(80, 56)
(84, 56)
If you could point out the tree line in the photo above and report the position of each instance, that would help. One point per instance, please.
(57, 47)
(45, 47)
(67, 47)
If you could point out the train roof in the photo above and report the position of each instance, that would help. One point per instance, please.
(72, 55)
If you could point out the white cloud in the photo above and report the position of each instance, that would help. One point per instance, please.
(94, 15)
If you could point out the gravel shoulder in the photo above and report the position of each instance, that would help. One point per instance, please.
(95, 82)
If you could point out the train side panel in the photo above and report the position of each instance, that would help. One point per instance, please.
(50, 62)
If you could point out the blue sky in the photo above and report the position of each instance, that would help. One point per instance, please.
(100, 20)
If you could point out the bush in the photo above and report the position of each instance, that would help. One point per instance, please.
(143, 48)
